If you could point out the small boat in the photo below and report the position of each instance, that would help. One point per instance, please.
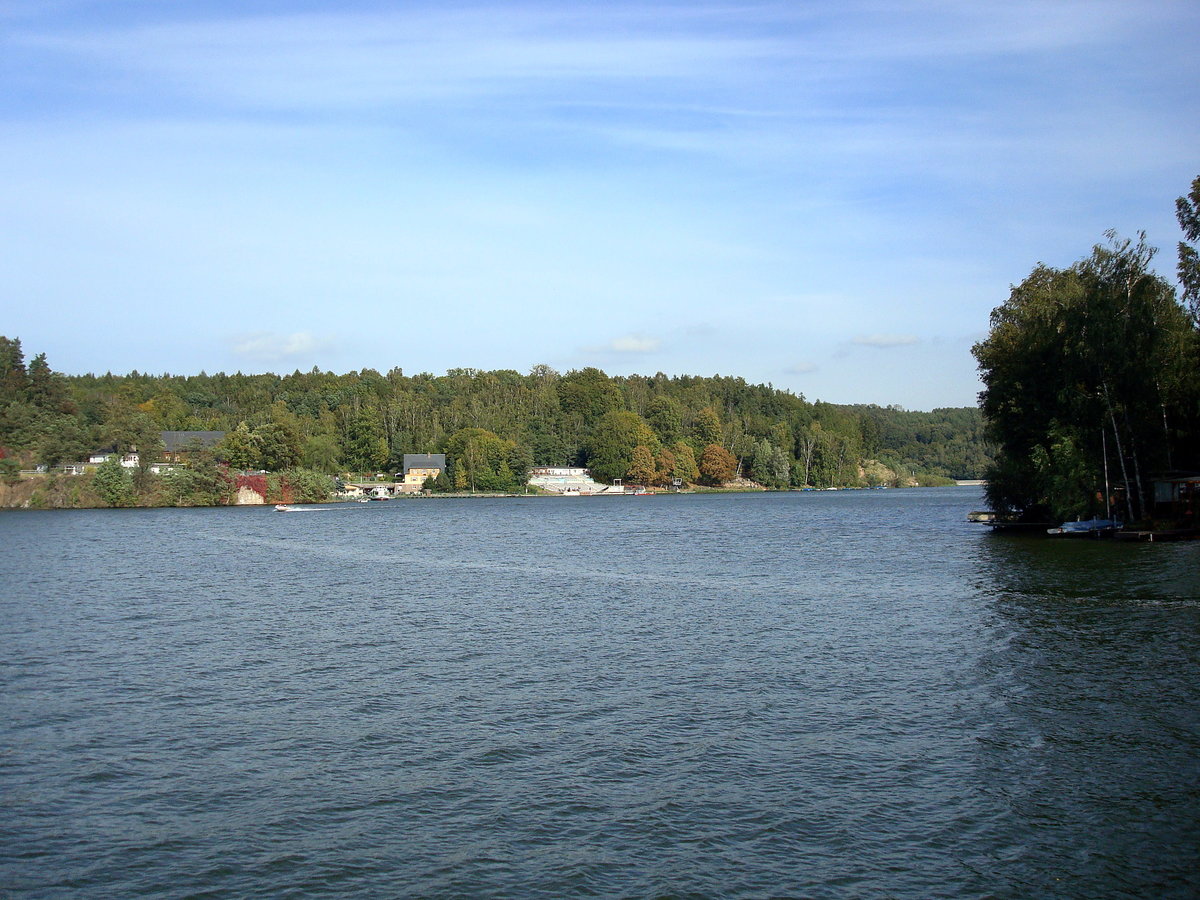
(1087, 527)
(282, 507)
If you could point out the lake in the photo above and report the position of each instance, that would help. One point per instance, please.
(851, 694)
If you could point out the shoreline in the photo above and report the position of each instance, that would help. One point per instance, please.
(477, 495)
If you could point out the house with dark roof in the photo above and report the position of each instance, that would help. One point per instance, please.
(420, 466)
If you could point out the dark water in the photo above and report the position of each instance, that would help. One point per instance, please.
(811, 695)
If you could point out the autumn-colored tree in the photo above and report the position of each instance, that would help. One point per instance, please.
(641, 469)
(664, 466)
(717, 464)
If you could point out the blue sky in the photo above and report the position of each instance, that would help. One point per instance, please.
(827, 196)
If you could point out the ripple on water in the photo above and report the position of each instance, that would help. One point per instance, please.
(808, 695)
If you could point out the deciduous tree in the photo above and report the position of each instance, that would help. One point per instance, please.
(641, 467)
(717, 464)
(1082, 367)
(685, 463)
(1187, 211)
(609, 450)
(113, 482)
(706, 428)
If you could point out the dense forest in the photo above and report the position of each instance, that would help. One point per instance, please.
(493, 425)
(1092, 383)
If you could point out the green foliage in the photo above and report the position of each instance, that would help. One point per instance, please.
(10, 469)
(609, 449)
(114, 483)
(483, 461)
(240, 449)
(321, 453)
(439, 485)
(945, 442)
(588, 393)
(1087, 366)
(665, 416)
(187, 486)
(685, 463)
(279, 446)
(1187, 211)
(63, 439)
(364, 448)
(14, 379)
(706, 429)
(306, 485)
(364, 421)
(771, 467)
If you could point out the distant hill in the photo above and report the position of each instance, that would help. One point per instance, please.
(366, 421)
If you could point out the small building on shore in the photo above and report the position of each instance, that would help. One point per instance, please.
(1176, 496)
(564, 479)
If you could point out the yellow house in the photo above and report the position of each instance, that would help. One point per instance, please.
(420, 466)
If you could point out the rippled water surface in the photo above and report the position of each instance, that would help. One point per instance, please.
(813, 695)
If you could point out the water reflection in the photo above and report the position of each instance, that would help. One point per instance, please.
(1091, 570)
(1095, 744)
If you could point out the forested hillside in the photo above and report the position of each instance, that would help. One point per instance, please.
(492, 424)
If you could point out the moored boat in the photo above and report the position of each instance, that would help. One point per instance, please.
(1087, 528)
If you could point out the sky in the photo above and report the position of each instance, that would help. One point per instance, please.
(826, 196)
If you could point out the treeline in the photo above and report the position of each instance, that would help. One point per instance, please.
(493, 425)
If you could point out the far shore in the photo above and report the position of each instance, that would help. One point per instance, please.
(11, 498)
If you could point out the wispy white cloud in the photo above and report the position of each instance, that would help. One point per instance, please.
(813, 85)
(886, 341)
(634, 343)
(352, 59)
(752, 184)
(265, 346)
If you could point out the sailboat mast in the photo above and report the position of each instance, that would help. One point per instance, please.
(1104, 451)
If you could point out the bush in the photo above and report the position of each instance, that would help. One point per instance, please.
(306, 486)
(114, 483)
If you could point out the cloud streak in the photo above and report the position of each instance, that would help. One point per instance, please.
(886, 341)
(635, 343)
(268, 347)
(797, 173)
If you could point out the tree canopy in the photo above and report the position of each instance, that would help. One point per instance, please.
(365, 421)
(1090, 380)
(1187, 211)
